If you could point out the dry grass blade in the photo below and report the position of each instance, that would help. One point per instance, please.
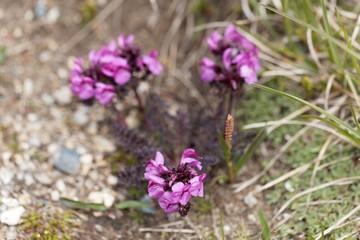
(316, 167)
(244, 185)
(167, 230)
(339, 222)
(312, 49)
(80, 35)
(339, 182)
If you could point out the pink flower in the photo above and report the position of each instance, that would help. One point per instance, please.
(168, 203)
(82, 86)
(214, 40)
(104, 93)
(152, 62)
(174, 188)
(125, 42)
(197, 185)
(208, 73)
(237, 60)
(191, 161)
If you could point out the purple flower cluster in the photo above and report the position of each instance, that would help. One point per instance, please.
(238, 59)
(174, 188)
(112, 67)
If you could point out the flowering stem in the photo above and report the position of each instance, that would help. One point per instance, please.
(230, 104)
(138, 98)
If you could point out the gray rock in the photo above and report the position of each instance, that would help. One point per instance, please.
(148, 210)
(67, 161)
(40, 9)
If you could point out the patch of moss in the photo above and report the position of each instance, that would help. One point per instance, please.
(47, 226)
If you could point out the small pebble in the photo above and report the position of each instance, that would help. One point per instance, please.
(11, 233)
(17, 33)
(62, 73)
(60, 185)
(28, 88)
(6, 175)
(45, 56)
(55, 196)
(227, 229)
(112, 180)
(53, 15)
(28, 178)
(10, 202)
(29, 15)
(12, 216)
(40, 8)
(289, 187)
(43, 178)
(67, 161)
(250, 200)
(6, 156)
(47, 99)
(81, 116)
(86, 159)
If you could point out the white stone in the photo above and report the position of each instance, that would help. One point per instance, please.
(289, 187)
(52, 148)
(86, 159)
(47, 99)
(11, 233)
(102, 197)
(43, 178)
(108, 199)
(143, 87)
(81, 116)
(6, 156)
(60, 185)
(250, 200)
(6, 175)
(62, 73)
(63, 95)
(12, 216)
(32, 117)
(28, 178)
(55, 195)
(104, 145)
(53, 15)
(132, 120)
(227, 229)
(10, 202)
(112, 180)
(28, 88)
(28, 15)
(18, 32)
(45, 56)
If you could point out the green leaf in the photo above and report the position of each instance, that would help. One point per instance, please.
(131, 204)
(225, 148)
(3, 54)
(354, 135)
(318, 31)
(250, 150)
(333, 52)
(82, 205)
(266, 232)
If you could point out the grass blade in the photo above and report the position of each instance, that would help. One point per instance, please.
(355, 136)
(318, 31)
(67, 202)
(250, 150)
(333, 52)
(266, 232)
(131, 204)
